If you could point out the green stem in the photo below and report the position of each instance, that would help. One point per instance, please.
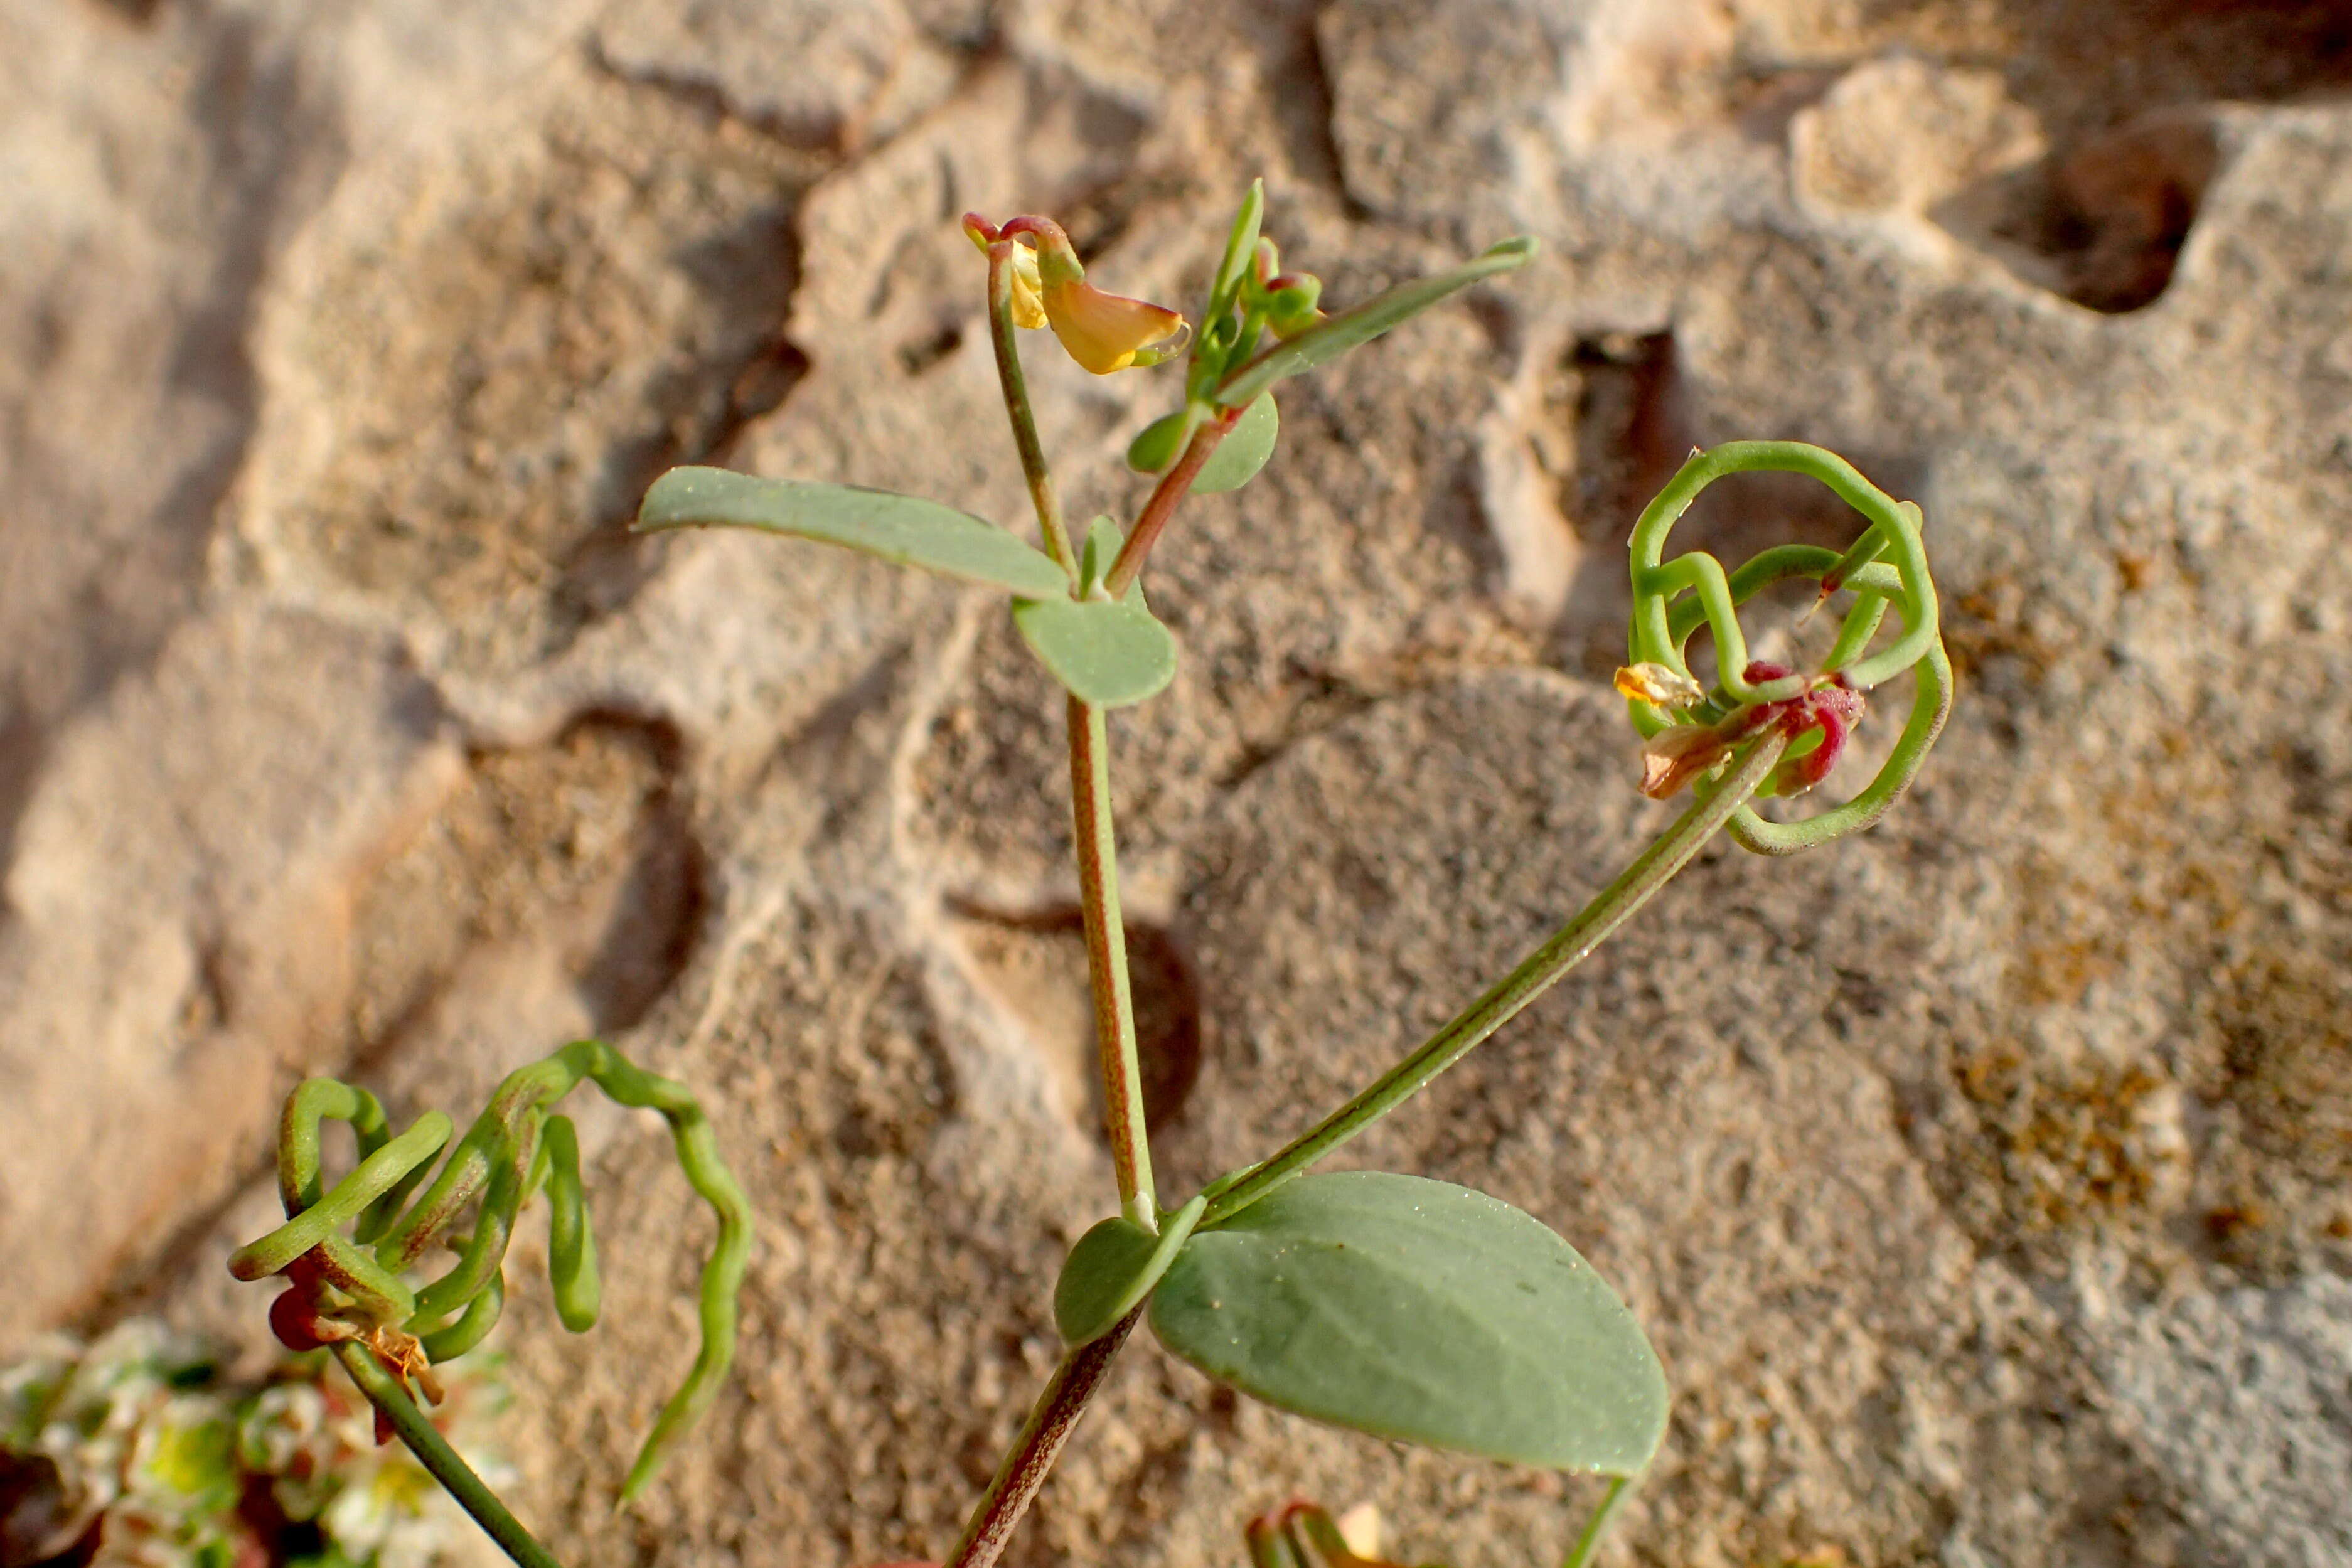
(433, 1452)
(1016, 406)
(1025, 1468)
(1166, 496)
(1056, 1412)
(1115, 1042)
(1114, 1004)
(1574, 941)
(1619, 1488)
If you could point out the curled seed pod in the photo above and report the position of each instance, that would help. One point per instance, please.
(1886, 570)
(340, 1290)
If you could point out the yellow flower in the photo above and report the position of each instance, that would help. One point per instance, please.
(1103, 332)
(1107, 332)
(1028, 304)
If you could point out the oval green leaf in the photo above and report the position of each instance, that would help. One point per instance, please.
(1335, 335)
(904, 529)
(1420, 1311)
(1156, 445)
(1243, 452)
(1108, 655)
(1112, 1267)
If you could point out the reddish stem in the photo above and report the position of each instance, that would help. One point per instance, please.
(1041, 1436)
(1166, 497)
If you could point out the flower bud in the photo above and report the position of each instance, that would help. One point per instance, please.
(1290, 305)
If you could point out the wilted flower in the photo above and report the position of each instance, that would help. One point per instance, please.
(1681, 753)
(1660, 686)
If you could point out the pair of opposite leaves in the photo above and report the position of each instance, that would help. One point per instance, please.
(1106, 652)
(1109, 653)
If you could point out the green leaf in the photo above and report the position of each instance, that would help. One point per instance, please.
(1112, 1267)
(1240, 249)
(1243, 452)
(900, 528)
(1108, 655)
(1335, 335)
(1157, 445)
(1417, 1310)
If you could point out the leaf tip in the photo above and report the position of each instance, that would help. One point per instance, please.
(668, 497)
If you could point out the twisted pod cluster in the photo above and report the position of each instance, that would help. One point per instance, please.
(346, 1290)
(1691, 731)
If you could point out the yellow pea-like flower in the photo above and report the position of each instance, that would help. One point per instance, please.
(1107, 332)
(1103, 331)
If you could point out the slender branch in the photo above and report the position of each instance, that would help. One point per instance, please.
(1016, 406)
(1166, 496)
(1115, 1042)
(444, 1462)
(1025, 1468)
(1536, 974)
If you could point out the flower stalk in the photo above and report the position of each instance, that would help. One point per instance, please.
(1015, 387)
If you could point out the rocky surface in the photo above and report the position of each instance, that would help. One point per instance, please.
(1984, 1180)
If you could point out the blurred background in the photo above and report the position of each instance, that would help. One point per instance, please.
(1986, 1181)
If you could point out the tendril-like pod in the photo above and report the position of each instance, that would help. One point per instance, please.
(348, 1287)
(1691, 730)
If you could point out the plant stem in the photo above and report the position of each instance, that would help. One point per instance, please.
(1115, 1043)
(1016, 406)
(442, 1461)
(1114, 1004)
(1619, 1488)
(1050, 1422)
(1174, 487)
(1568, 948)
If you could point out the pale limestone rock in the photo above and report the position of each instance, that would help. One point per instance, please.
(1895, 136)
